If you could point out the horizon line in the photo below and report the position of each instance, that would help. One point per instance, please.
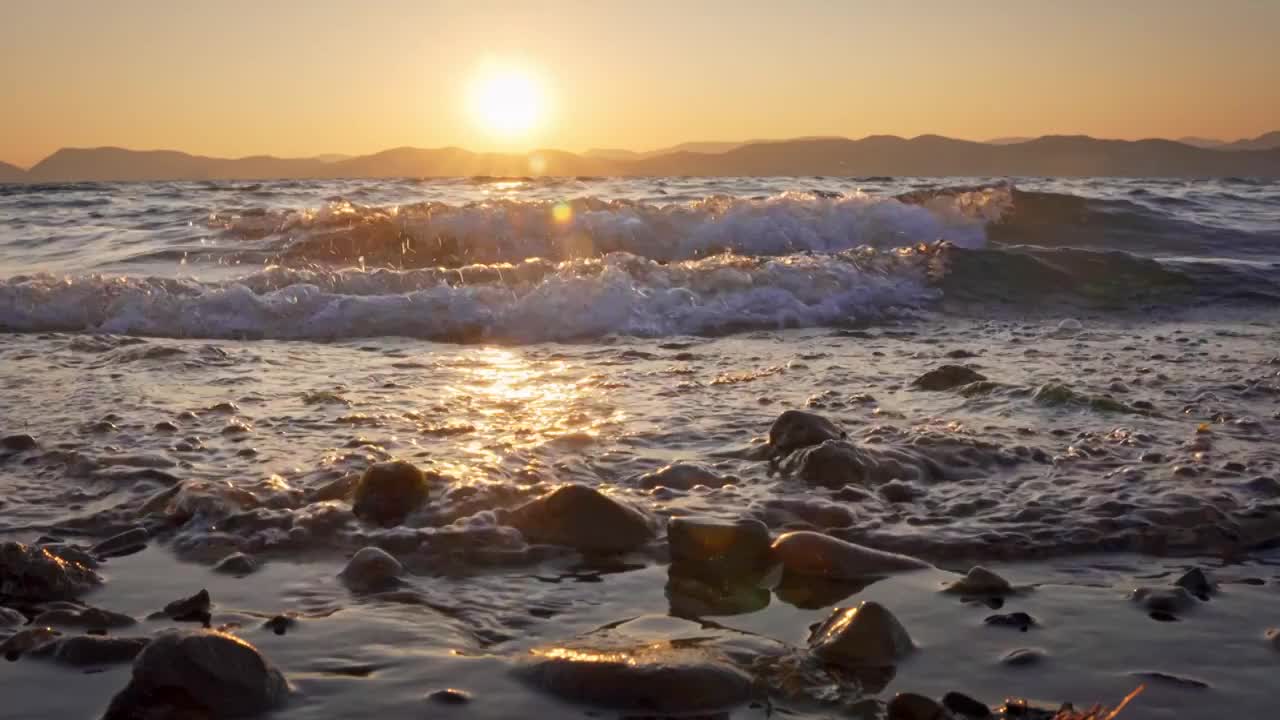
(675, 148)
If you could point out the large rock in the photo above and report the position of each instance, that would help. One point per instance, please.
(388, 492)
(89, 618)
(911, 706)
(834, 464)
(27, 640)
(682, 476)
(811, 553)
(658, 675)
(371, 569)
(795, 429)
(947, 377)
(21, 442)
(127, 542)
(203, 674)
(980, 581)
(866, 635)
(86, 650)
(723, 547)
(35, 574)
(582, 518)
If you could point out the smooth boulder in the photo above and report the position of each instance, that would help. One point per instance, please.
(200, 674)
(641, 674)
(29, 573)
(388, 492)
(810, 553)
(728, 547)
(911, 706)
(795, 429)
(236, 564)
(582, 518)
(980, 581)
(947, 377)
(834, 464)
(90, 618)
(864, 636)
(87, 650)
(682, 476)
(371, 569)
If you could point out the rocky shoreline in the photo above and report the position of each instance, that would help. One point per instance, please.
(681, 664)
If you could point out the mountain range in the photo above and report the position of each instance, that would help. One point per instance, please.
(925, 155)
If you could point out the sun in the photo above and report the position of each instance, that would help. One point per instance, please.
(507, 101)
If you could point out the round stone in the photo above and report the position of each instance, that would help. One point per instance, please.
(370, 569)
(861, 636)
(810, 553)
(388, 492)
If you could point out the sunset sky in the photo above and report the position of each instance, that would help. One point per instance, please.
(288, 78)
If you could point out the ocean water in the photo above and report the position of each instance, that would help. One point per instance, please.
(207, 359)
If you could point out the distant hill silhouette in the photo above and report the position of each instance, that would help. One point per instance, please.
(1201, 142)
(927, 155)
(1267, 141)
(1008, 140)
(112, 163)
(935, 155)
(11, 173)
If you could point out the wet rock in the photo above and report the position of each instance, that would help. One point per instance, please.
(582, 518)
(1020, 620)
(1196, 582)
(1023, 657)
(88, 618)
(21, 442)
(72, 553)
(811, 553)
(450, 696)
(84, 650)
(236, 564)
(834, 464)
(896, 491)
(910, 706)
(1172, 600)
(721, 546)
(36, 574)
(388, 492)
(27, 640)
(280, 624)
(1172, 680)
(125, 543)
(652, 675)
(371, 569)
(947, 377)
(980, 581)
(682, 476)
(203, 674)
(961, 354)
(865, 635)
(190, 609)
(965, 706)
(795, 429)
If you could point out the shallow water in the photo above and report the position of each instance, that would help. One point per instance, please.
(1126, 431)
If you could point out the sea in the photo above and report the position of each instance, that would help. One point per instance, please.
(206, 360)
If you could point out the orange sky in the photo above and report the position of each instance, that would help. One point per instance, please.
(295, 78)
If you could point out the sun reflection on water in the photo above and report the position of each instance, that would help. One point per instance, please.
(518, 404)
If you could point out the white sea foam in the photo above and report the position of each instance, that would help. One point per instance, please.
(533, 301)
(512, 230)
